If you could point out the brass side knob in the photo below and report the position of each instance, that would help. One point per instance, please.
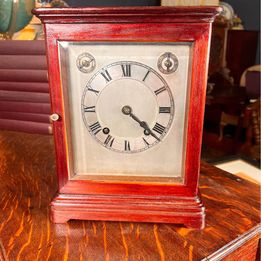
(54, 117)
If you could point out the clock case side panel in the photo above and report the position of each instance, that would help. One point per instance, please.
(57, 107)
(199, 75)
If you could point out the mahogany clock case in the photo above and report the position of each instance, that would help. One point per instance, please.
(121, 199)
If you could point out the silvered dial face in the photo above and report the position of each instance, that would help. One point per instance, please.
(127, 107)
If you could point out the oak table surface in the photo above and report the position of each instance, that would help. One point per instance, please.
(28, 183)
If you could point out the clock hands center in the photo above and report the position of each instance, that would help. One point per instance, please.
(127, 110)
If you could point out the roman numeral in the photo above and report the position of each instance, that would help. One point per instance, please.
(89, 109)
(158, 128)
(92, 90)
(106, 76)
(145, 141)
(164, 109)
(95, 127)
(146, 75)
(127, 145)
(126, 70)
(109, 141)
(162, 89)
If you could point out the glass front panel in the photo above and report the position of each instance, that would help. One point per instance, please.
(125, 105)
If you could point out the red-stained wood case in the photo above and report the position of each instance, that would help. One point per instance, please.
(101, 174)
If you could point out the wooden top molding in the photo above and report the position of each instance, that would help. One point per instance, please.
(128, 14)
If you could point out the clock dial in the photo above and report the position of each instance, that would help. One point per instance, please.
(135, 113)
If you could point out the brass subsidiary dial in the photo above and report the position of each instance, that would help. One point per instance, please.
(168, 63)
(86, 63)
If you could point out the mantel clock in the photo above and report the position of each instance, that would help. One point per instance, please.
(127, 91)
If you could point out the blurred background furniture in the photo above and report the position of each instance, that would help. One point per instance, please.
(24, 90)
(251, 80)
(232, 56)
(241, 51)
(251, 122)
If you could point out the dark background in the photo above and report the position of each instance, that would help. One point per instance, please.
(249, 12)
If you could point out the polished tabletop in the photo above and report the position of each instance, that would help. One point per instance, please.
(28, 183)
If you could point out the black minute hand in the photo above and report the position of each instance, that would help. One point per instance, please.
(127, 110)
(135, 118)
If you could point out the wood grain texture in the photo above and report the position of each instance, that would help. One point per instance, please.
(28, 183)
(179, 210)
